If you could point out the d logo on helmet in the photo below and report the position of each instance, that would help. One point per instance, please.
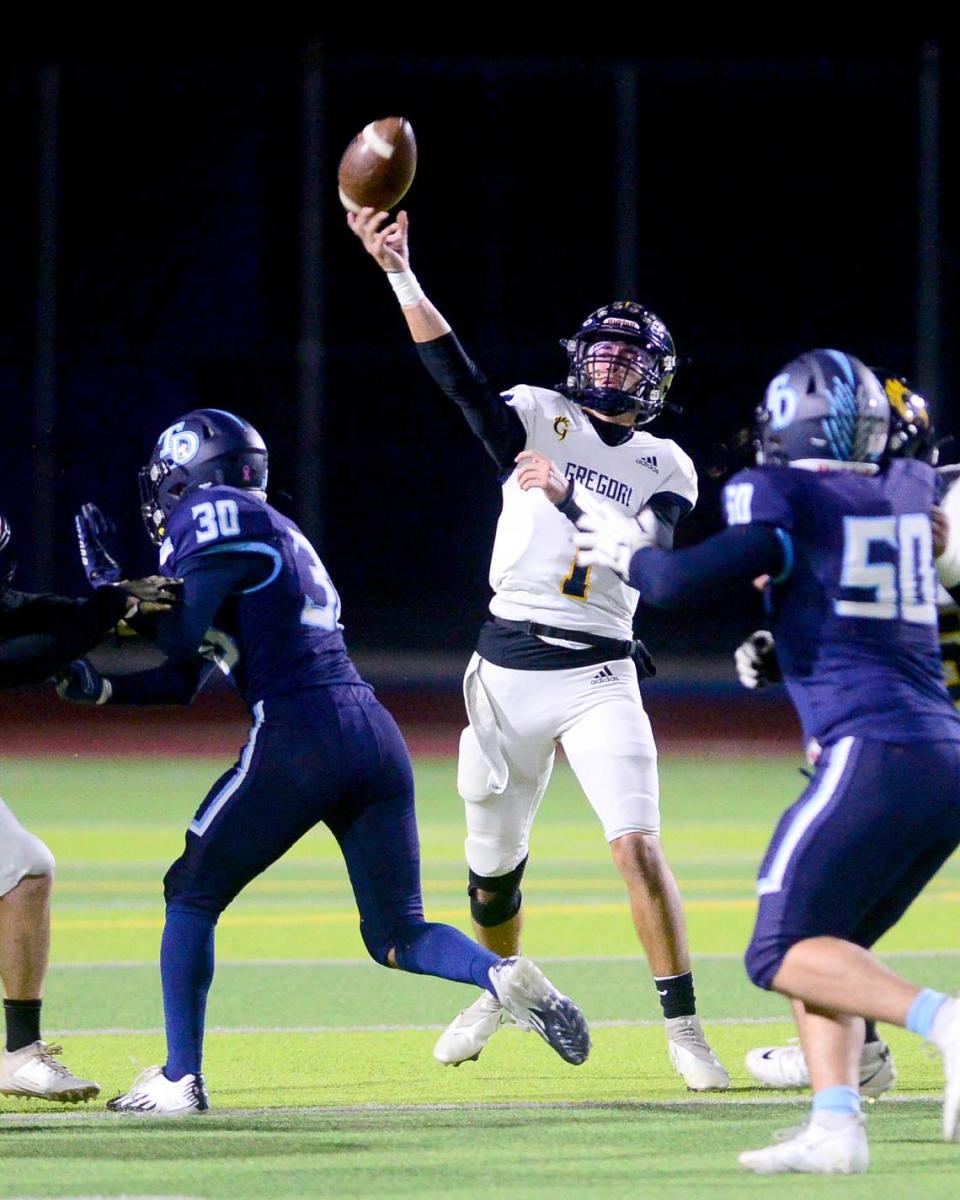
(179, 445)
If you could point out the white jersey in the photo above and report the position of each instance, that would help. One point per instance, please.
(950, 503)
(533, 573)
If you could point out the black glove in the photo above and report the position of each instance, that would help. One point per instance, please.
(83, 684)
(94, 531)
(156, 593)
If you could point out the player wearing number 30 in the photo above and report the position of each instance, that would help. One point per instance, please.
(557, 663)
(847, 543)
(321, 748)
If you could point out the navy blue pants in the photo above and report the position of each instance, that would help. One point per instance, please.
(875, 824)
(329, 754)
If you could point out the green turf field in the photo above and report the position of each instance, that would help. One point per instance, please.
(319, 1062)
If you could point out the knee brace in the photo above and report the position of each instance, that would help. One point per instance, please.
(507, 896)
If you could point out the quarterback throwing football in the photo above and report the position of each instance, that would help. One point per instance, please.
(557, 661)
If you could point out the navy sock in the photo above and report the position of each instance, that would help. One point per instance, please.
(428, 948)
(676, 995)
(871, 1034)
(23, 1023)
(186, 969)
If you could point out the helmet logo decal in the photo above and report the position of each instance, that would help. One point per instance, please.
(781, 402)
(179, 445)
(840, 426)
(561, 427)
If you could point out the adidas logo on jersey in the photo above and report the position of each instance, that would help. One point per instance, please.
(650, 461)
(604, 675)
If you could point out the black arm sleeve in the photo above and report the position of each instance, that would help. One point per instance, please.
(173, 683)
(693, 576)
(494, 422)
(666, 507)
(41, 634)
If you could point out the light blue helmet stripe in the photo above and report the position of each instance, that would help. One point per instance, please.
(222, 412)
(840, 427)
(843, 362)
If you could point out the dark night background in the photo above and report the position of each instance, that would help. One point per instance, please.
(175, 240)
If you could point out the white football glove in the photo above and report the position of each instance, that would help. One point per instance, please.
(756, 660)
(606, 538)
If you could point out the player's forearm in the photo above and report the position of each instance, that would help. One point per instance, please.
(208, 581)
(425, 321)
(54, 631)
(173, 683)
(693, 576)
(494, 422)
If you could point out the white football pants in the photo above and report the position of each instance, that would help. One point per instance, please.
(21, 853)
(507, 753)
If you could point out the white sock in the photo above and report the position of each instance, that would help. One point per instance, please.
(834, 1120)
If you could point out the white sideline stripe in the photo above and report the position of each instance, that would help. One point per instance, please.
(546, 960)
(200, 827)
(801, 1103)
(773, 880)
(245, 1029)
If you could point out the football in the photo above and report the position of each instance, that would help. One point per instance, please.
(378, 166)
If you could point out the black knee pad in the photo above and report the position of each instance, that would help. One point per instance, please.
(507, 896)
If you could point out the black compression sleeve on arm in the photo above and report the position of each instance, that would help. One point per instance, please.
(458, 376)
(43, 634)
(668, 508)
(693, 576)
(173, 683)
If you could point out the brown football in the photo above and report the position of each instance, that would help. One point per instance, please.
(378, 166)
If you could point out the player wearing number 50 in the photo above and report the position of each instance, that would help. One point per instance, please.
(557, 662)
(847, 542)
(257, 599)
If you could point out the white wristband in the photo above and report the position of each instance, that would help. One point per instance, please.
(406, 288)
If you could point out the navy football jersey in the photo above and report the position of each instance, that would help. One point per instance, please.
(855, 608)
(282, 633)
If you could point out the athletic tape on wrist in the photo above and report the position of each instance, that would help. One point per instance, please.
(405, 287)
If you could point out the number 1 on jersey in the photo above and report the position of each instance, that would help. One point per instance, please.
(577, 583)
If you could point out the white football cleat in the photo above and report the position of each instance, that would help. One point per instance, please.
(534, 1003)
(786, 1067)
(692, 1057)
(948, 1043)
(470, 1030)
(33, 1071)
(830, 1144)
(154, 1095)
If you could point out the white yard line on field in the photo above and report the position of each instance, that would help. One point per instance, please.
(801, 1102)
(546, 960)
(122, 1031)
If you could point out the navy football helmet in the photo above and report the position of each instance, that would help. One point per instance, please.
(7, 564)
(911, 426)
(824, 405)
(208, 446)
(611, 379)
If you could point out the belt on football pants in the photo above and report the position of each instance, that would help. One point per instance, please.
(614, 647)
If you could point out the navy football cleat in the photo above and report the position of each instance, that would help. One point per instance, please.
(534, 1003)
